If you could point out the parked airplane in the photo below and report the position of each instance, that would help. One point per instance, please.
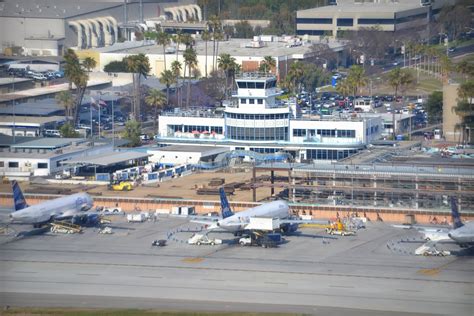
(61, 208)
(462, 234)
(238, 222)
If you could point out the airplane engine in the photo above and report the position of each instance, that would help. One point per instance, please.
(86, 219)
(288, 228)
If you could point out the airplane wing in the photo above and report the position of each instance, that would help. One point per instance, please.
(303, 221)
(424, 228)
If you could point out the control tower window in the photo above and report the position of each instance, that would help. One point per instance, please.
(260, 101)
(243, 101)
(251, 85)
(260, 85)
(251, 101)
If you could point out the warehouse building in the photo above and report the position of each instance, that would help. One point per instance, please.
(48, 27)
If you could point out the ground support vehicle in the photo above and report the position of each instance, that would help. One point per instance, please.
(202, 239)
(122, 186)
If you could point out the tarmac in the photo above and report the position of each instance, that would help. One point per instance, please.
(372, 273)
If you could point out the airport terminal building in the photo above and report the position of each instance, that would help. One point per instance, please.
(256, 121)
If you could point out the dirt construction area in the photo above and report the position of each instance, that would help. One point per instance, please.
(185, 187)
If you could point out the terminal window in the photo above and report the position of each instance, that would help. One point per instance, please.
(13, 164)
(345, 22)
(42, 165)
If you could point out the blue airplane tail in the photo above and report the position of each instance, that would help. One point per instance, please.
(225, 207)
(455, 214)
(18, 198)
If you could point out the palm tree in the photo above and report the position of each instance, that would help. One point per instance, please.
(399, 78)
(167, 78)
(445, 65)
(155, 99)
(227, 64)
(206, 36)
(344, 88)
(89, 63)
(267, 64)
(357, 78)
(295, 76)
(139, 65)
(162, 38)
(66, 100)
(466, 68)
(178, 39)
(77, 75)
(176, 70)
(214, 24)
(219, 36)
(190, 62)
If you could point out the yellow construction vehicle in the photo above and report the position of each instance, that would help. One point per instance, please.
(338, 228)
(122, 186)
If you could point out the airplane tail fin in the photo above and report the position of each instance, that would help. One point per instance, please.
(455, 214)
(225, 207)
(18, 198)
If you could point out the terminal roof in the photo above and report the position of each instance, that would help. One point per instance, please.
(107, 159)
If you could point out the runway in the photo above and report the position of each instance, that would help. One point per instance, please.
(307, 274)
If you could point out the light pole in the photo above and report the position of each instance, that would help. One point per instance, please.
(13, 109)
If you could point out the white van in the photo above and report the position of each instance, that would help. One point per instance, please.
(51, 133)
(38, 76)
(364, 104)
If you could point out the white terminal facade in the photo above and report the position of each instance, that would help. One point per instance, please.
(255, 120)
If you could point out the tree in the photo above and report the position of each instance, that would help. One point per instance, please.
(176, 70)
(243, 29)
(162, 38)
(116, 66)
(356, 78)
(66, 100)
(77, 75)
(465, 110)
(190, 62)
(89, 63)
(454, 19)
(466, 68)
(206, 36)
(178, 39)
(399, 78)
(344, 88)
(226, 63)
(139, 65)
(68, 131)
(314, 76)
(167, 78)
(156, 100)
(267, 64)
(132, 132)
(434, 107)
(215, 26)
(295, 76)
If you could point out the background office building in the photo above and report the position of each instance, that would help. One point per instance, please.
(351, 15)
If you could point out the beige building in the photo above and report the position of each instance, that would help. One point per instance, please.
(351, 15)
(450, 119)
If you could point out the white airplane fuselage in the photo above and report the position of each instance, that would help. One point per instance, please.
(463, 234)
(275, 209)
(62, 207)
